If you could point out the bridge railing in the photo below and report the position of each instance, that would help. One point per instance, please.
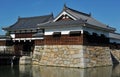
(12, 52)
(6, 52)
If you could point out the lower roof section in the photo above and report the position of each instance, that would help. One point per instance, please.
(29, 23)
(114, 36)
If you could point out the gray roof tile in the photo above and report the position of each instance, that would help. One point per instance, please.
(46, 21)
(80, 16)
(29, 22)
(62, 23)
(88, 17)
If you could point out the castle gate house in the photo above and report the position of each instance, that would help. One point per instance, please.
(25, 33)
(71, 39)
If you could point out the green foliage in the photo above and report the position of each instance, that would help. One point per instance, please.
(7, 33)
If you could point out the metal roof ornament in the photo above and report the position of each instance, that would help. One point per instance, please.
(65, 7)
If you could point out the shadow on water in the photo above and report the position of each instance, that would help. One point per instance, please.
(114, 60)
(8, 71)
(116, 71)
(44, 71)
(74, 72)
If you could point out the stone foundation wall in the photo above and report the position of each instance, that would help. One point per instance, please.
(63, 55)
(116, 54)
(97, 56)
(72, 56)
(37, 54)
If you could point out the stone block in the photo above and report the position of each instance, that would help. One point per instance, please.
(76, 56)
(86, 60)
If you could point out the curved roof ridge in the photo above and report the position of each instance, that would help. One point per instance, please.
(35, 16)
(29, 22)
(67, 8)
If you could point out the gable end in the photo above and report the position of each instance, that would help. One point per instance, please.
(64, 15)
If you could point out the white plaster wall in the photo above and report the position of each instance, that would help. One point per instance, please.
(63, 30)
(25, 39)
(99, 32)
(75, 28)
(12, 35)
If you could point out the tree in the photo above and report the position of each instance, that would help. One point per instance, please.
(7, 33)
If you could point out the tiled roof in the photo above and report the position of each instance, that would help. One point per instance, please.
(62, 23)
(29, 22)
(70, 23)
(47, 21)
(88, 17)
(114, 36)
(83, 16)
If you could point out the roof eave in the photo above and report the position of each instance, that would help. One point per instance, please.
(23, 29)
(61, 26)
(108, 29)
(5, 28)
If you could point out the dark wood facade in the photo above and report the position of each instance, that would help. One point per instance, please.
(114, 46)
(6, 43)
(24, 47)
(23, 35)
(2, 42)
(95, 39)
(39, 42)
(63, 40)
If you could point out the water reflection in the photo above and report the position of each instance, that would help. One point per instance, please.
(25, 71)
(74, 72)
(44, 71)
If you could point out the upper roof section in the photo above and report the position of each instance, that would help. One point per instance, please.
(71, 14)
(62, 24)
(67, 16)
(29, 22)
(114, 36)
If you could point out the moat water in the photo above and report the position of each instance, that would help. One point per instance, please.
(44, 71)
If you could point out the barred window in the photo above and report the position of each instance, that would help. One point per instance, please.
(56, 34)
(75, 33)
